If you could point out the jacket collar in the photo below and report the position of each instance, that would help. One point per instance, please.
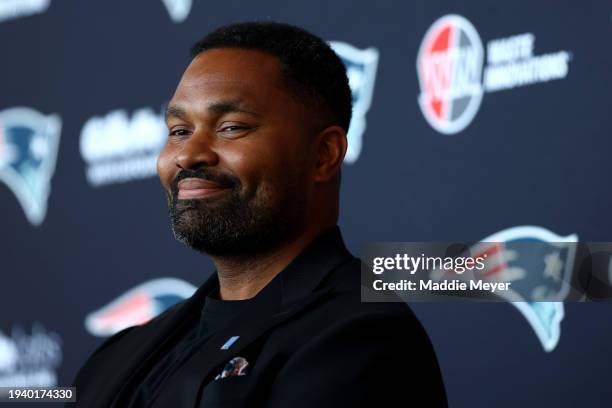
(311, 267)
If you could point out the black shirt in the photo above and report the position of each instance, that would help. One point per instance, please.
(214, 316)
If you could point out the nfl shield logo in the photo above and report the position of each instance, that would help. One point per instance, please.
(29, 142)
(361, 71)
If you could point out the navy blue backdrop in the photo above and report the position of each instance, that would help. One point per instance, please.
(470, 119)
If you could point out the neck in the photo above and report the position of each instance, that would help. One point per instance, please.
(243, 276)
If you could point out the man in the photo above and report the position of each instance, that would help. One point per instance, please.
(257, 136)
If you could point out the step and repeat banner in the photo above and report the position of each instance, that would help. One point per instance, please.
(471, 121)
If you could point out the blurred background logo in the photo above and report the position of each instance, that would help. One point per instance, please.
(10, 9)
(449, 66)
(450, 70)
(138, 305)
(29, 143)
(119, 148)
(29, 360)
(361, 71)
(178, 9)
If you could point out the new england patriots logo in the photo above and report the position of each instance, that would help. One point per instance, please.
(138, 305)
(29, 143)
(539, 265)
(361, 71)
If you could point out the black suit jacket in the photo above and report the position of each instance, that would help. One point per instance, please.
(317, 346)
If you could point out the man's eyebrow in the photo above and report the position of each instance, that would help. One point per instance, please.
(230, 107)
(218, 108)
(175, 111)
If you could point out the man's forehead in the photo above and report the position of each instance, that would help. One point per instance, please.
(244, 77)
(218, 97)
(233, 64)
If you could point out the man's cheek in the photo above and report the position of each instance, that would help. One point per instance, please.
(250, 166)
(242, 155)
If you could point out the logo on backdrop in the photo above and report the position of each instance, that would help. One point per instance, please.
(178, 9)
(10, 9)
(450, 70)
(29, 142)
(540, 273)
(138, 305)
(29, 360)
(118, 148)
(361, 71)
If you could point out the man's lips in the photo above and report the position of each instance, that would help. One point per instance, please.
(191, 188)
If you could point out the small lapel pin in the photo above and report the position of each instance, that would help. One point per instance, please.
(229, 342)
(236, 367)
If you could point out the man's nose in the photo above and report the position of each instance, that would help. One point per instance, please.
(197, 151)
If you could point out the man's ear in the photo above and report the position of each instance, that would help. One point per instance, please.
(331, 148)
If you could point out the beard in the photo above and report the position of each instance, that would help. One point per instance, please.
(234, 223)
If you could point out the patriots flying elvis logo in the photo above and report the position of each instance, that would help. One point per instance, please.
(138, 305)
(29, 143)
(539, 263)
(361, 71)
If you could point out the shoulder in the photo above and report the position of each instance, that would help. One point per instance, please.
(341, 343)
(345, 287)
(345, 315)
(342, 317)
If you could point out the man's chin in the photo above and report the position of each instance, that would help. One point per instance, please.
(215, 240)
(211, 246)
(204, 204)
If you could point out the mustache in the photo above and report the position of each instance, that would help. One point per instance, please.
(223, 179)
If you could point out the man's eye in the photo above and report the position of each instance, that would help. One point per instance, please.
(232, 128)
(179, 132)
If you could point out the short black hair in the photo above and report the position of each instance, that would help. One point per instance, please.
(309, 66)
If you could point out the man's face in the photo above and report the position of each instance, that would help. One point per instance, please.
(237, 166)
